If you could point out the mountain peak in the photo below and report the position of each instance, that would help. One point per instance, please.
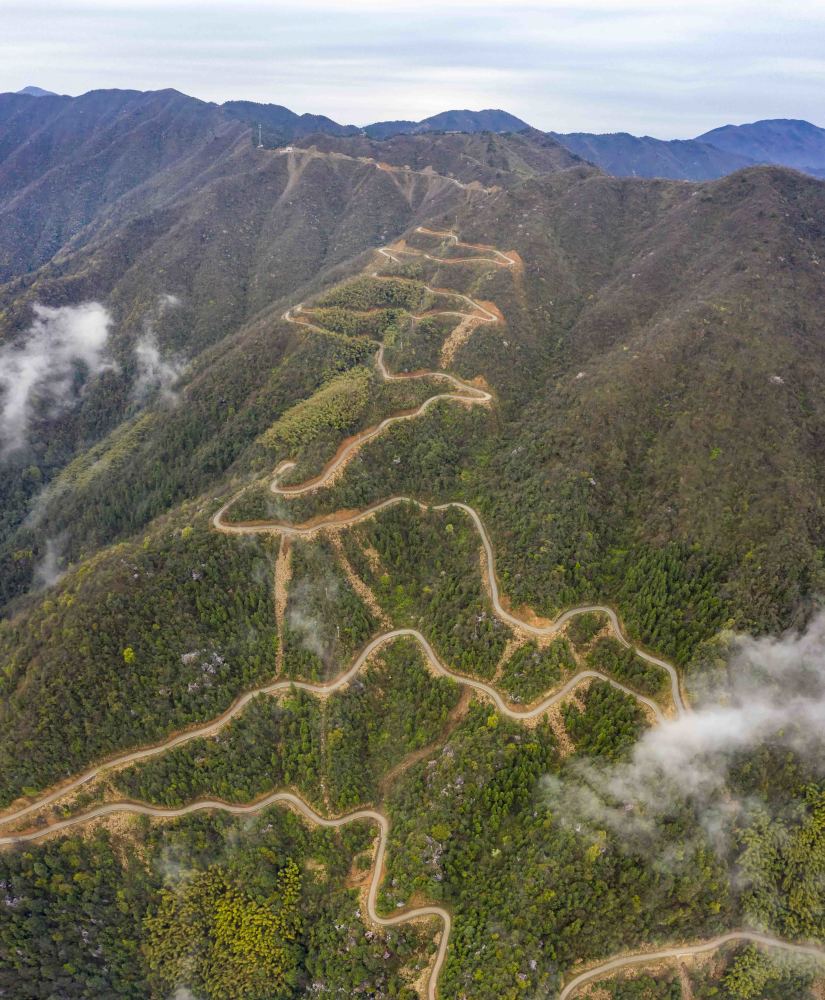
(33, 91)
(487, 120)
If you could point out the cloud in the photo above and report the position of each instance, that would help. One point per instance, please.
(675, 69)
(765, 691)
(49, 365)
(301, 618)
(48, 571)
(156, 374)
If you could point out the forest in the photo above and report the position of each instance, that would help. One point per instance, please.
(224, 907)
(143, 639)
(171, 621)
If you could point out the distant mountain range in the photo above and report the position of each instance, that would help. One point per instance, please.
(782, 141)
(279, 123)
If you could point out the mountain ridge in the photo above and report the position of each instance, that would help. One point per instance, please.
(787, 142)
(354, 415)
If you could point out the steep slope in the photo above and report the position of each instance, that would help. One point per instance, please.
(343, 543)
(625, 155)
(182, 261)
(483, 157)
(678, 328)
(64, 162)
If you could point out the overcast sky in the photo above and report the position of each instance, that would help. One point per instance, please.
(645, 66)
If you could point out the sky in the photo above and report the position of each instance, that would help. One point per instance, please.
(653, 67)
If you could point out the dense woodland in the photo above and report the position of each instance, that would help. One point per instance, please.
(166, 626)
(326, 621)
(223, 907)
(556, 890)
(345, 745)
(426, 574)
(146, 637)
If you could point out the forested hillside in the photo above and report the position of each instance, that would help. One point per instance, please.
(393, 547)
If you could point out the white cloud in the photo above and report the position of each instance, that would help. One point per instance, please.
(659, 66)
(769, 690)
(156, 373)
(62, 348)
(50, 569)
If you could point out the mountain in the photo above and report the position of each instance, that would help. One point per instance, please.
(785, 141)
(472, 157)
(37, 92)
(64, 162)
(450, 121)
(625, 155)
(279, 124)
(141, 197)
(396, 542)
(721, 151)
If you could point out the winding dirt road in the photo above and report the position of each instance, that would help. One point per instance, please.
(312, 152)
(500, 258)
(518, 713)
(335, 521)
(466, 394)
(687, 951)
(293, 801)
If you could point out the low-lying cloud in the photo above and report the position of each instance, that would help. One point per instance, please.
(303, 621)
(156, 374)
(50, 569)
(48, 366)
(767, 691)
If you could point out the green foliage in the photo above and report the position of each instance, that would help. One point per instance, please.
(72, 910)
(738, 972)
(334, 947)
(377, 293)
(610, 723)
(532, 671)
(334, 407)
(783, 865)
(196, 614)
(671, 596)
(640, 986)
(755, 975)
(274, 743)
(418, 345)
(531, 891)
(149, 464)
(614, 658)
(394, 707)
(582, 628)
(212, 936)
(430, 579)
(374, 324)
(326, 620)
